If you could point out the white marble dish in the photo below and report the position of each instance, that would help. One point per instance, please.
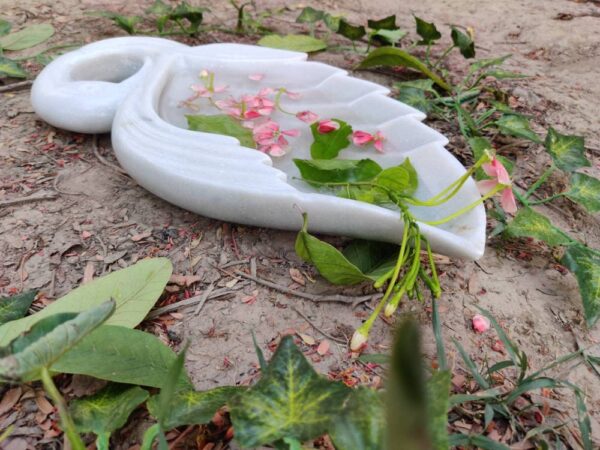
(134, 86)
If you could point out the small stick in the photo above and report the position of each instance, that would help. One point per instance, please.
(311, 323)
(187, 302)
(315, 298)
(104, 160)
(31, 198)
(203, 298)
(16, 86)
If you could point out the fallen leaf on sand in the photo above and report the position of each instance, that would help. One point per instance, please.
(184, 280)
(323, 347)
(297, 276)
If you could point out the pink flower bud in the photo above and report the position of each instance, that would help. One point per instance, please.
(327, 126)
(480, 323)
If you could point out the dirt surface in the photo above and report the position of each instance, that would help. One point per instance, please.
(100, 220)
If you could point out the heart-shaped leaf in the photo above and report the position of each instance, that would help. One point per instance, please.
(290, 400)
(134, 289)
(48, 340)
(10, 68)
(518, 126)
(5, 27)
(401, 180)
(337, 170)
(568, 152)
(294, 42)
(329, 145)
(464, 43)
(387, 23)
(15, 307)
(352, 32)
(584, 263)
(107, 410)
(584, 190)
(121, 355)
(415, 98)
(395, 57)
(27, 37)
(428, 31)
(528, 223)
(389, 37)
(194, 407)
(361, 423)
(222, 124)
(310, 15)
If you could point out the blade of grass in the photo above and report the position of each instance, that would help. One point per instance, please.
(471, 366)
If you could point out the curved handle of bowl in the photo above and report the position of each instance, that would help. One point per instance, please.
(81, 91)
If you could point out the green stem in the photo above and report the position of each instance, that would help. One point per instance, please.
(547, 199)
(150, 436)
(103, 441)
(441, 58)
(522, 199)
(541, 180)
(65, 418)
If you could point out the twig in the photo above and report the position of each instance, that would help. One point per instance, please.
(104, 160)
(311, 323)
(16, 86)
(314, 298)
(187, 302)
(60, 191)
(179, 438)
(31, 198)
(203, 298)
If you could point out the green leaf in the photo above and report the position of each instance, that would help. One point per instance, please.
(332, 22)
(193, 14)
(352, 32)
(10, 68)
(135, 290)
(159, 8)
(584, 190)
(528, 223)
(15, 307)
(27, 37)
(337, 170)
(489, 62)
(568, 152)
(376, 358)
(387, 23)
(503, 74)
(5, 27)
(438, 404)
(329, 145)
(415, 98)
(391, 56)
(310, 15)
(478, 146)
(361, 424)
(401, 180)
(328, 260)
(290, 400)
(584, 263)
(372, 258)
(107, 410)
(471, 366)
(526, 386)
(165, 400)
(428, 32)
(294, 42)
(390, 37)
(121, 355)
(126, 23)
(464, 43)
(222, 124)
(48, 340)
(518, 126)
(193, 407)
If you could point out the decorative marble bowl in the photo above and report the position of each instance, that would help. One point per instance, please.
(134, 87)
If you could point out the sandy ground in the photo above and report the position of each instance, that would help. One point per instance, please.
(102, 220)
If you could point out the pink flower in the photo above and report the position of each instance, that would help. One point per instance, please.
(327, 126)
(271, 139)
(307, 116)
(293, 95)
(361, 138)
(256, 76)
(480, 323)
(500, 176)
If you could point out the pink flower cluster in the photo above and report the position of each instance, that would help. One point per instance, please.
(499, 176)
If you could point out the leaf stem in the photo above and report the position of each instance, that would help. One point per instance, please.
(441, 58)
(541, 180)
(547, 199)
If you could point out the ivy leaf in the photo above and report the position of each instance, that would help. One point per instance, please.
(337, 170)
(310, 15)
(329, 145)
(193, 14)
(428, 32)
(10, 68)
(332, 22)
(121, 355)
(464, 43)
(222, 124)
(528, 223)
(135, 290)
(387, 23)
(438, 404)
(584, 190)
(568, 152)
(294, 42)
(352, 32)
(27, 37)
(401, 180)
(394, 57)
(584, 263)
(389, 37)
(48, 340)
(5, 27)
(194, 407)
(328, 260)
(518, 126)
(361, 424)
(290, 400)
(159, 8)
(15, 307)
(107, 410)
